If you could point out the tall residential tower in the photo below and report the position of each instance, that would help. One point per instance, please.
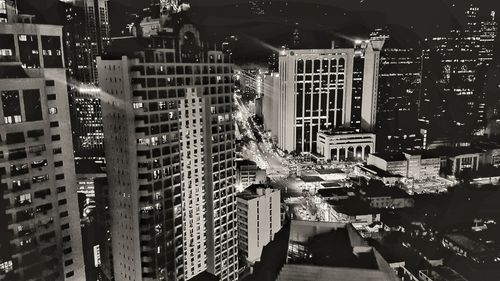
(40, 237)
(167, 104)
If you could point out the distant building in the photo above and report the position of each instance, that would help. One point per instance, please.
(455, 160)
(353, 210)
(441, 273)
(474, 250)
(398, 91)
(345, 144)
(248, 173)
(381, 197)
(86, 36)
(415, 165)
(373, 172)
(259, 219)
(348, 255)
(270, 102)
(316, 92)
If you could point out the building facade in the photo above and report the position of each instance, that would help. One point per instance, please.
(40, 235)
(340, 145)
(317, 89)
(86, 36)
(259, 219)
(413, 165)
(248, 173)
(167, 112)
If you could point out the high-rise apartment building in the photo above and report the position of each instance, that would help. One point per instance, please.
(8, 10)
(86, 36)
(259, 219)
(169, 135)
(323, 89)
(40, 237)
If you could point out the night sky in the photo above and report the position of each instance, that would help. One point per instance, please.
(417, 18)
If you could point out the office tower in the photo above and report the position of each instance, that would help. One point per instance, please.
(8, 10)
(316, 92)
(487, 37)
(398, 92)
(259, 219)
(453, 79)
(86, 35)
(40, 236)
(169, 139)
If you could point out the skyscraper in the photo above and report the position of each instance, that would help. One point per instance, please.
(318, 91)
(398, 92)
(86, 35)
(40, 236)
(167, 110)
(452, 96)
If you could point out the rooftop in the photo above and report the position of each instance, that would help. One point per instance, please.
(390, 156)
(330, 192)
(311, 179)
(383, 191)
(252, 191)
(466, 243)
(344, 131)
(330, 171)
(245, 162)
(332, 184)
(443, 273)
(320, 250)
(379, 172)
(353, 206)
(455, 151)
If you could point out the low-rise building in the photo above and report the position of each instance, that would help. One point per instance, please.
(345, 144)
(386, 197)
(259, 219)
(248, 173)
(441, 273)
(346, 257)
(418, 165)
(467, 247)
(354, 211)
(373, 172)
(455, 160)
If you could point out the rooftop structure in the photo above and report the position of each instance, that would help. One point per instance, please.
(347, 254)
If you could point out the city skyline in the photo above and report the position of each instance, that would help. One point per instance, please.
(247, 140)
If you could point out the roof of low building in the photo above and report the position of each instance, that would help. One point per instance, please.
(390, 156)
(251, 191)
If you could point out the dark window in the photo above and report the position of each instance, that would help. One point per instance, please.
(59, 176)
(51, 97)
(58, 164)
(56, 138)
(15, 138)
(51, 51)
(7, 47)
(28, 51)
(65, 226)
(71, 273)
(54, 124)
(11, 107)
(61, 189)
(32, 105)
(50, 83)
